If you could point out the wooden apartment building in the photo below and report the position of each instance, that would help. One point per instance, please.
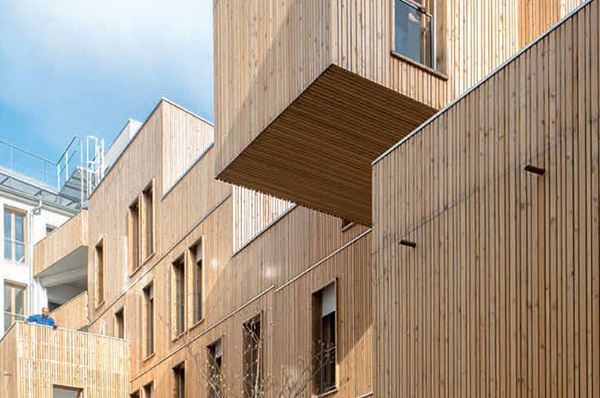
(411, 252)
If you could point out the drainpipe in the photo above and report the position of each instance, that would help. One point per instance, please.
(36, 211)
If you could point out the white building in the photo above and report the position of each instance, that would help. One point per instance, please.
(37, 196)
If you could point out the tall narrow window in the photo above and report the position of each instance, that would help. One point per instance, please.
(196, 253)
(14, 235)
(414, 30)
(215, 369)
(134, 236)
(324, 337)
(120, 324)
(179, 374)
(149, 318)
(252, 358)
(14, 303)
(148, 198)
(179, 295)
(135, 394)
(99, 268)
(149, 390)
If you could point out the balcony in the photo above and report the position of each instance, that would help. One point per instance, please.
(302, 119)
(35, 360)
(60, 260)
(73, 313)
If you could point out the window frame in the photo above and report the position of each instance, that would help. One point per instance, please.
(178, 296)
(197, 280)
(149, 321)
(78, 390)
(319, 351)
(148, 390)
(214, 354)
(120, 323)
(179, 380)
(432, 14)
(12, 212)
(13, 315)
(250, 364)
(99, 272)
(148, 221)
(133, 226)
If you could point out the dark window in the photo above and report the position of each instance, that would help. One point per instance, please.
(120, 324)
(149, 390)
(49, 228)
(179, 374)
(196, 253)
(215, 369)
(99, 265)
(179, 293)
(324, 337)
(252, 358)
(134, 394)
(149, 315)
(134, 236)
(413, 30)
(148, 220)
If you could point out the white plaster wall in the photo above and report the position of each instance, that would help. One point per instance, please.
(22, 273)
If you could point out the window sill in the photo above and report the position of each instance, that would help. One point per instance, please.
(134, 271)
(178, 336)
(195, 325)
(418, 65)
(149, 357)
(147, 259)
(328, 393)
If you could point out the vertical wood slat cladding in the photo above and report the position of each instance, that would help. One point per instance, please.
(36, 357)
(186, 138)
(200, 208)
(131, 174)
(252, 213)
(64, 240)
(73, 313)
(262, 65)
(282, 252)
(501, 295)
(255, 45)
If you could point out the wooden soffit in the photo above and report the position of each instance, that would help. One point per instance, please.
(318, 151)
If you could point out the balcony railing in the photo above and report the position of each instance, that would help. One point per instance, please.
(34, 359)
(73, 313)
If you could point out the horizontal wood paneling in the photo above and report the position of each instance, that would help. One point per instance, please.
(500, 295)
(33, 358)
(63, 241)
(73, 313)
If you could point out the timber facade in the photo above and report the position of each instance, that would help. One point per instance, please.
(383, 222)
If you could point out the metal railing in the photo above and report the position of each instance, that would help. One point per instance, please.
(81, 164)
(27, 164)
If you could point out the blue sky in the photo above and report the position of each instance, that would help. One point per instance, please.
(79, 67)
